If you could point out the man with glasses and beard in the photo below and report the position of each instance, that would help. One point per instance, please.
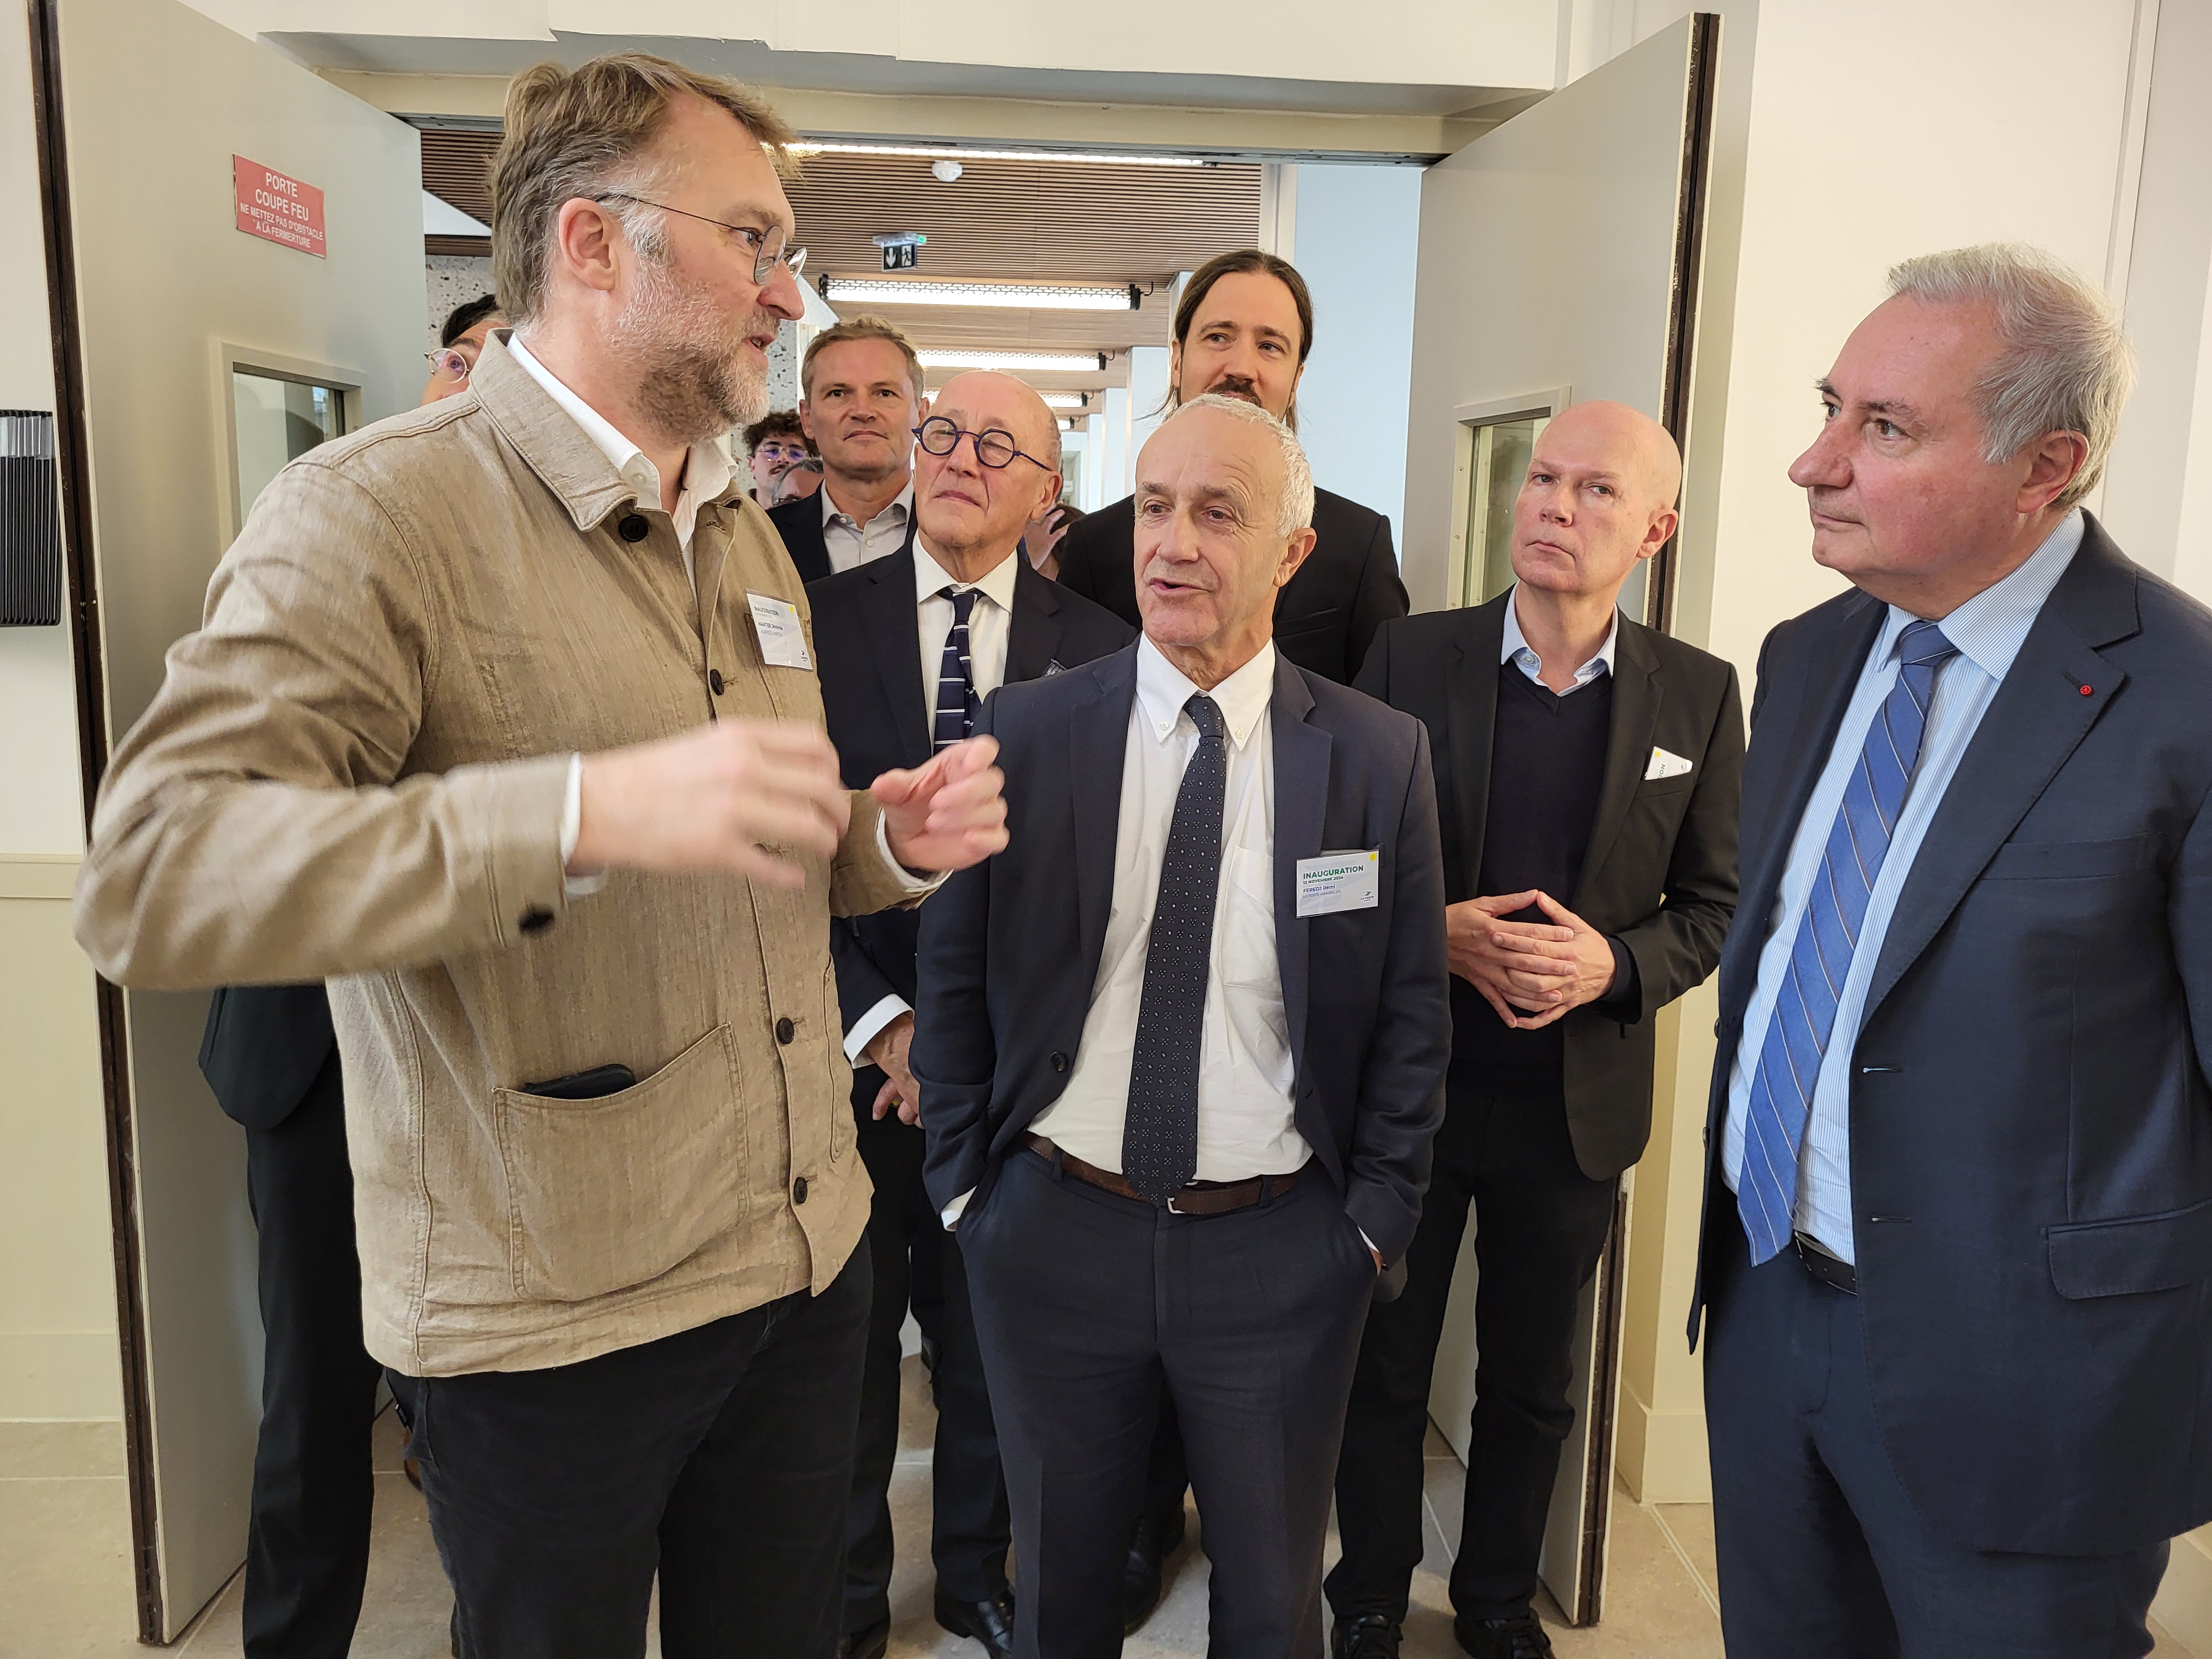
(504, 721)
(1243, 329)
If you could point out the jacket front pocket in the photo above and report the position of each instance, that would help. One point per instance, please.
(605, 1194)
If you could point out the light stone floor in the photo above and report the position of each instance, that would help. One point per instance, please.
(65, 1580)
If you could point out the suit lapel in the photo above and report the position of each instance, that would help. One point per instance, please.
(1301, 768)
(1033, 642)
(1470, 703)
(887, 604)
(1637, 693)
(1098, 741)
(2051, 695)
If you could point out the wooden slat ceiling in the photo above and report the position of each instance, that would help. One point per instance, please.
(1022, 221)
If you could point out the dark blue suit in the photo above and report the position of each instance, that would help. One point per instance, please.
(2020, 1387)
(799, 524)
(864, 634)
(1258, 1312)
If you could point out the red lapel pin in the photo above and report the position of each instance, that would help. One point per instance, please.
(2088, 691)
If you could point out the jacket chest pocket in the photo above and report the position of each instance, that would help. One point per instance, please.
(608, 1193)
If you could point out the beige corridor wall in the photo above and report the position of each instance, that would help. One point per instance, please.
(57, 1342)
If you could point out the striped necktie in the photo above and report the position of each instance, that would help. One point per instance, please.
(956, 701)
(1805, 1011)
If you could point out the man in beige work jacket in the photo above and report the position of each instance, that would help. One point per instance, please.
(503, 720)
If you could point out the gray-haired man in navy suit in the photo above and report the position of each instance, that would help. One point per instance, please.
(1957, 1273)
(1181, 1050)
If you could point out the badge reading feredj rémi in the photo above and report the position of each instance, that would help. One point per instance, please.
(1338, 881)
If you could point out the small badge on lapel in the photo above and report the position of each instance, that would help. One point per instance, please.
(782, 636)
(1665, 765)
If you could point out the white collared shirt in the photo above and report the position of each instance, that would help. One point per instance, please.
(1516, 650)
(990, 623)
(851, 544)
(707, 468)
(1245, 1123)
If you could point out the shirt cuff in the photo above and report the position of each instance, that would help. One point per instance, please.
(1626, 994)
(911, 882)
(865, 1028)
(572, 825)
(952, 1211)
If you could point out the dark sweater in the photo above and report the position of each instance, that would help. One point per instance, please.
(1546, 766)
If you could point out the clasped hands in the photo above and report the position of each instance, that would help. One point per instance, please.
(1531, 972)
(754, 797)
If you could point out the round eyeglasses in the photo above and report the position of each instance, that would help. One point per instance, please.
(994, 449)
(767, 248)
(448, 365)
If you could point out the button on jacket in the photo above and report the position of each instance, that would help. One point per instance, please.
(356, 770)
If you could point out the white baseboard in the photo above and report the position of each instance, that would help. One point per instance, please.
(1660, 1453)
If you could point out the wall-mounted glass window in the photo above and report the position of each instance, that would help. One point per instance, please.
(1499, 462)
(277, 421)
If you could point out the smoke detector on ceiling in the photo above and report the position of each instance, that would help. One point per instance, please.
(946, 169)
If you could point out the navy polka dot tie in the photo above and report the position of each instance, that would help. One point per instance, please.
(1159, 1139)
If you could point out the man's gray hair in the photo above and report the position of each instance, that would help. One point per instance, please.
(1295, 512)
(2063, 364)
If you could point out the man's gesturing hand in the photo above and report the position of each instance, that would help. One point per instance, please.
(739, 795)
(948, 814)
(1547, 968)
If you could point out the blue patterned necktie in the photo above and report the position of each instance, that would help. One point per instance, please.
(1805, 1011)
(1160, 1136)
(956, 701)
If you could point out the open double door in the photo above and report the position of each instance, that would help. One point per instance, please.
(1559, 263)
(1557, 258)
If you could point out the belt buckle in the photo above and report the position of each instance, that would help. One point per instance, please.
(1171, 1203)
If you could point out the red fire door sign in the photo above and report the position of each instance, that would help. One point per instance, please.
(277, 209)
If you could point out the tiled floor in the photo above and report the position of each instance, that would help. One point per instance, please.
(65, 1581)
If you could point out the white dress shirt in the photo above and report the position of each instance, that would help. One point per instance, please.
(1989, 631)
(851, 544)
(1246, 1124)
(707, 472)
(1516, 650)
(990, 622)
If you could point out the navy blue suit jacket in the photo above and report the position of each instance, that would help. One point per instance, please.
(1009, 948)
(871, 673)
(263, 1047)
(799, 524)
(2031, 1125)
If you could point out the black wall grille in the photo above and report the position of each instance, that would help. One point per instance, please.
(30, 521)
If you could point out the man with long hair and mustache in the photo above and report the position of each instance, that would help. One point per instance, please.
(503, 721)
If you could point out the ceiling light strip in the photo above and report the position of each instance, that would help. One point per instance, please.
(934, 152)
(1028, 296)
(1070, 362)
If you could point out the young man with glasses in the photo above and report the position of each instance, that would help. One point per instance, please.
(504, 721)
(776, 449)
(911, 643)
(460, 343)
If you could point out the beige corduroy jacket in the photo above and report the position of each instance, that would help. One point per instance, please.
(356, 770)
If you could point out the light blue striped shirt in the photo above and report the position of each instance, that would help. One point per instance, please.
(1989, 631)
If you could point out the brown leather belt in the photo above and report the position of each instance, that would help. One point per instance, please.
(1199, 1198)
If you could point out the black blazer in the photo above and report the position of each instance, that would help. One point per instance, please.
(1659, 876)
(2031, 1126)
(263, 1048)
(799, 524)
(1009, 948)
(1325, 614)
(870, 674)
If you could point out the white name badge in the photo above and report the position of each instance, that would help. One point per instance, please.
(782, 636)
(1338, 881)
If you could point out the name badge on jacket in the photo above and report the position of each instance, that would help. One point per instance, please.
(1338, 881)
(782, 636)
(1665, 764)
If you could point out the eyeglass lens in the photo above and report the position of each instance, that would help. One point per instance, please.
(941, 437)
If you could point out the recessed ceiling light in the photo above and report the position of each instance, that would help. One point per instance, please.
(1027, 296)
(1072, 362)
(811, 146)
